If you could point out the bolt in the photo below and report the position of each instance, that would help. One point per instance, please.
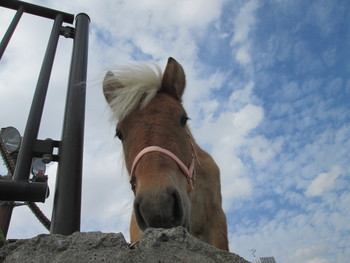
(46, 158)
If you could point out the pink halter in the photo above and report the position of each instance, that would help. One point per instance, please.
(188, 172)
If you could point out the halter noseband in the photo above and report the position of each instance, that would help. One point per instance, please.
(188, 172)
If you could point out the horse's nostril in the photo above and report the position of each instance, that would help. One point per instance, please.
(177, 208)
(139, 218)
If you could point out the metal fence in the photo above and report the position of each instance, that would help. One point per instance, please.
(67, 195)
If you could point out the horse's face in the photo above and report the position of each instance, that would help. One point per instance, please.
(160, 186)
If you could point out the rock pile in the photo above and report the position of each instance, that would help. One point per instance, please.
(157, 245)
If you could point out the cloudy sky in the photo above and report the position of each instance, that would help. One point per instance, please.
(268, 95)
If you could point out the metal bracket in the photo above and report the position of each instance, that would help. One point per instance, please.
(67, 31)
(45, 149)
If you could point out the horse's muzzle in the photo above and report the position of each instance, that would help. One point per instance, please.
(160, 210)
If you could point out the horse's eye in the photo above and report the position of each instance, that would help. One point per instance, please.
(119, 134)
(133, 183)
(183, 120)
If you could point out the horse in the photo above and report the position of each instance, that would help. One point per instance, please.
(174, 181)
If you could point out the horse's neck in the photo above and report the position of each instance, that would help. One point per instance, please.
(206, 168)
(206, 208)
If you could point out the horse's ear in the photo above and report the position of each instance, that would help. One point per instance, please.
(174, 80)
(109, 85)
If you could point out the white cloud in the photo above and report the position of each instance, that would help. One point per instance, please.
(157, 28)
(198, 98)
(231, 128)
(241, 97)
(243, 24)
(309, 236)
(312, 254)
(261, 150)
(229, 134)
(244, 21)
(242, 55)
(324, 182)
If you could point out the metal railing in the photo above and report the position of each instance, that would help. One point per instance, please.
(67, 199)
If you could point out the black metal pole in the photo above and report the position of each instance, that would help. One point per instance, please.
(37, 10)
(6, 213)
(67, 202)
(30, 135)
(23, 191)
(6, 39)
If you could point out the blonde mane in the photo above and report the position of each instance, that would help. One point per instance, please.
(131, 85)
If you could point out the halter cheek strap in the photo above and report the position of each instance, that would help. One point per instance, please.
(188, 171)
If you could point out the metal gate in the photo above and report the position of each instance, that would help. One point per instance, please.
(67, 195)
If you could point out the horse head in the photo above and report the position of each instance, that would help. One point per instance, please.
(158, 149)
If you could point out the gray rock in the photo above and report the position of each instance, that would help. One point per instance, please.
(157, 245)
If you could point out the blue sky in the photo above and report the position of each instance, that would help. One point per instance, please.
(268, 95)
